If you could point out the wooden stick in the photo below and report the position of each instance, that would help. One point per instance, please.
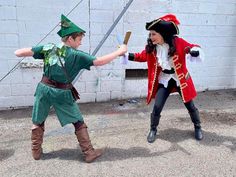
(127, 36)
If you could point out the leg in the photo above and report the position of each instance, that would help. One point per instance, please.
(84, 141)
(37, 140)
(39, 115)
(69, 113)
(161, 97)
(194, 114)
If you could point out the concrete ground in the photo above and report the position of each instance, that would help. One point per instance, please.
(121, 127)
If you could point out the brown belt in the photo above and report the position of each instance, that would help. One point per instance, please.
(55, 84)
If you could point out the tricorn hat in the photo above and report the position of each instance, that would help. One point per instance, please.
(166, 25)
(68, 27)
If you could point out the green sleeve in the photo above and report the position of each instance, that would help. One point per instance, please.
(84, 60)
(38, 52)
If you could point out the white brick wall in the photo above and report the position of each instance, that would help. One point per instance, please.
(210, 23)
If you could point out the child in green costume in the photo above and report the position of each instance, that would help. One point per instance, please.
(62, 63)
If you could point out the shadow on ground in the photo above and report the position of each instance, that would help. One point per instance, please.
(6, 153)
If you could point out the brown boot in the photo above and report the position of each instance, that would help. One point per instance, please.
(83, 137)
(37, 140)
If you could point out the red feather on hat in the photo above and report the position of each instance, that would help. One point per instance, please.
(170, 18)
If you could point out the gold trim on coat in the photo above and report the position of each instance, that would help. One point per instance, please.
(183, 85)
(178, 65)
(150, 97)
(181, 76)
(175, 58)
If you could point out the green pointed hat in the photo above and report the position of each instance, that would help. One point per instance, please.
(68, 27)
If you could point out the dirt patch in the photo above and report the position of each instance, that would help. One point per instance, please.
(219, 117)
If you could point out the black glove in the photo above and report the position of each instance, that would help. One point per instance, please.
(194, 53)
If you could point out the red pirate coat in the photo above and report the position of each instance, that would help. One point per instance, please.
(179, 63)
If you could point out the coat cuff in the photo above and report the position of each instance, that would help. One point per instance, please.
(131, 57)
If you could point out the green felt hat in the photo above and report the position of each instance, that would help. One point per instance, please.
(68, 27)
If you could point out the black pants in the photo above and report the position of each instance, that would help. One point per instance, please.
(162, 95)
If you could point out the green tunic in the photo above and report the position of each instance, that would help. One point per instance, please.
(61, 100)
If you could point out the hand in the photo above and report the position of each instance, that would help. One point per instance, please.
(122, 49)
(194, 53)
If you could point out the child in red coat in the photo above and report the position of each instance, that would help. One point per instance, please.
(166, 55)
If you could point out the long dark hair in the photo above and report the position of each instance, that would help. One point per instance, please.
(150, 47)
(170, 40)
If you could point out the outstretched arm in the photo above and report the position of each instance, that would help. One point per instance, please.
(24, 52)
(193, 51)
(138, 57)
(111, 56)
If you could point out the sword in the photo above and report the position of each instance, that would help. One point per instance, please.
(124, 58)
(127, 36)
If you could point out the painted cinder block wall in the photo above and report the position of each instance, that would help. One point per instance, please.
(210, 23)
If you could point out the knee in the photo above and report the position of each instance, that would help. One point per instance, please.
(156, 110)
(191, 107)
(35, 126)
(78, 124)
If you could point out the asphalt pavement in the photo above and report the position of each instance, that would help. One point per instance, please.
(121, 127)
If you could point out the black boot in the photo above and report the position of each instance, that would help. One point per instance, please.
(198, 132)
(197, 124)
(153, 130)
